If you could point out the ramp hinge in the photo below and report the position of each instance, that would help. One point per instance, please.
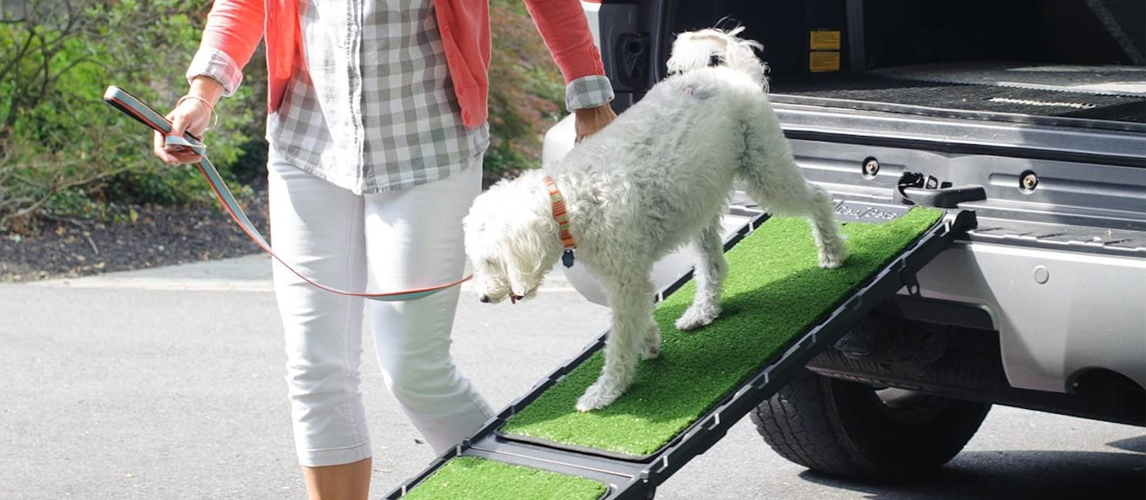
(910, 281)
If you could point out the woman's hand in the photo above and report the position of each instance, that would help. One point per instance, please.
(590, 120)
(191, 115)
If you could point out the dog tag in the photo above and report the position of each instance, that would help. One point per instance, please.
(567, 258)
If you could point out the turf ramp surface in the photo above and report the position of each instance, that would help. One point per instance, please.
(774, 292)
(473, 478)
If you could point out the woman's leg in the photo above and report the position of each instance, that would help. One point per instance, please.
(338, 482)
(317, 228)
(414, 239)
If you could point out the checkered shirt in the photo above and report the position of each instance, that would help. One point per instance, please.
(371, 107)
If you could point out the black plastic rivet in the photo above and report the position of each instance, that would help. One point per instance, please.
(870, 168)
(1028, 181)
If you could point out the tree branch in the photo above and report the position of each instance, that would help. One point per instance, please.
(69, 67)
(46, 70)
(56, 188)
(19, 54)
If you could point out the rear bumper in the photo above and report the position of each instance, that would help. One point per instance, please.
(1058, 313)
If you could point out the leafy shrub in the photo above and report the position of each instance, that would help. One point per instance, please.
(63, 151)
(61, 148)
(525, 91)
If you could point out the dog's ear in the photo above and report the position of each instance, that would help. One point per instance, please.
(529, 257)
(518, 285)
(519, 254)
(534, 242)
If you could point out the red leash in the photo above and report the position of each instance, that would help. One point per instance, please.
(136, 109)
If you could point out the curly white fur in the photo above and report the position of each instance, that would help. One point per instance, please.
(696, 49)
(657, 178)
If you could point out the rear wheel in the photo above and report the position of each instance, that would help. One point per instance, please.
(854, 430)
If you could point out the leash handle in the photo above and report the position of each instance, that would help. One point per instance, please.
(133, 107)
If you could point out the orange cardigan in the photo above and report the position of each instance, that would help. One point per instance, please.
(236, 26)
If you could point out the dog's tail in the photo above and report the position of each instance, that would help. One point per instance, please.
(717, 47)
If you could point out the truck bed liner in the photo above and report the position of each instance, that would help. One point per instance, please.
(1061, 98)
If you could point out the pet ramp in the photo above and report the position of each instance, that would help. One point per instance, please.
(541, 448)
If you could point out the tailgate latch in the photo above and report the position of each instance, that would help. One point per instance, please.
(915, 188)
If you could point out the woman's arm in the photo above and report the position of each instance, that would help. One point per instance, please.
(566, 33)
(233, 31)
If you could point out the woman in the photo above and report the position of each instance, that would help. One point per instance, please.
(377, 127)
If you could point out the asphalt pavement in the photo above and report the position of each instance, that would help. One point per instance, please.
(167, 384)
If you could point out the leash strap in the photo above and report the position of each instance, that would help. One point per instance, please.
(136, 109)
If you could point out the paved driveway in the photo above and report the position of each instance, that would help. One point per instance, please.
(167, 384)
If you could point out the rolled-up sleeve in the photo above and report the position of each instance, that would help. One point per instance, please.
(565, 30)
(588, 92)
(232, 32)
(217, 65)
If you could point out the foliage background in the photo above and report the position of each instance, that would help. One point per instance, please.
(64, 153)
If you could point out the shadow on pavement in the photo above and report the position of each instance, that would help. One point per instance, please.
(1016, 475)
(1134, 444)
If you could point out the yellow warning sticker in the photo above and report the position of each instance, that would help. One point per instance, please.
(825, 40)
(820, 62)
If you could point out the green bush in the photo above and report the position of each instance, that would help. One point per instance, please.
(64, 152)
(525, 91)
(62, 149)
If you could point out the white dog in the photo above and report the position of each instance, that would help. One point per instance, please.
(656, 178)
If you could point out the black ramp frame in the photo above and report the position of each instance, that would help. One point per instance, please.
(636, 478)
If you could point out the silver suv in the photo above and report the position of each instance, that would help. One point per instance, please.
(1043, 306)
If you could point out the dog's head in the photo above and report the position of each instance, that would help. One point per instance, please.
(511, 239)
(716, 47)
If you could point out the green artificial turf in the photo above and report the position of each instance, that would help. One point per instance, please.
(473, 478)
(774, 292)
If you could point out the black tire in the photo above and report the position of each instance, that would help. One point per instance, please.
(850, 429)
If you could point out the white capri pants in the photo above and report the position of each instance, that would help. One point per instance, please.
(391, 241)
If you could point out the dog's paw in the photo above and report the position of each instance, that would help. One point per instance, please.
(833, 260)
(651, 351)
(596, 398)
(697, 316)
(652, 347)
